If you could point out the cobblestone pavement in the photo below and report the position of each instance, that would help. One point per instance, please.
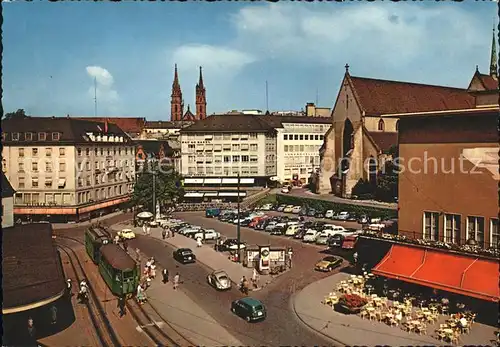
(352, 330)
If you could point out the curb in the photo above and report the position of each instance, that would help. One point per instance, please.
(293, 298)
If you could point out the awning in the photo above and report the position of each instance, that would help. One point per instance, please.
(461, 274)
(211, 194)
(213, 180)
(229, 181)
(232, 193)
(61, 183)
(247, 180)
(193, 181)
(193, 195)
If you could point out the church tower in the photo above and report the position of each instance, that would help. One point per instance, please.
(494, 58)
(176, 103)
(201, 99)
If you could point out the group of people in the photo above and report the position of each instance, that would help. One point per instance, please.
(244, 285)
(166, 232)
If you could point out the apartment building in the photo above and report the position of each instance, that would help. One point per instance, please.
(66, 169)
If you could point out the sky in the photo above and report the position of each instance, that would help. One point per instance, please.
(56, 55)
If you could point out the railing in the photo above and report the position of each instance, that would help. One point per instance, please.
(414, 238)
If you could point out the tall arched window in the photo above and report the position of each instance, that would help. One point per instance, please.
(381, 125)
(397, 125)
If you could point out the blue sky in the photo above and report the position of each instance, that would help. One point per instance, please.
(53, 51)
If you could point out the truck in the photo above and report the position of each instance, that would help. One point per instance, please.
(212, 212)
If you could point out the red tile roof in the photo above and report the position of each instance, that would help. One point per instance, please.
(127, 124)
(384, 140)
(489, 82)
(378, 97)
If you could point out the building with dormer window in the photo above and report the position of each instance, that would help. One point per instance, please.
(66, 169)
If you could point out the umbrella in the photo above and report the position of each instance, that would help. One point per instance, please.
(145, 215)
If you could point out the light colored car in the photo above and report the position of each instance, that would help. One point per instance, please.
(285, 190)
(296, 209)
(322, 238)
(329, 214)
(271, 226)
(311, 235)
(292, 230)
(190, 231)
(219, 280)
(342, 216)
(210, 234)
(266, 207)
(126, 234)
(288, 209)
(281, 208)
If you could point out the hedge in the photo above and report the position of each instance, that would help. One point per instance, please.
(373, 212)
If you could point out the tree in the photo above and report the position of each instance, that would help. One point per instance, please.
(363, 189)
(387, 183)
(167, 186)
(20, 113)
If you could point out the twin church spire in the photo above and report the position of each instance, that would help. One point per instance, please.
(494, 58)
(177, 102)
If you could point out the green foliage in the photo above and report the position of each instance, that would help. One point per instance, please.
(270, 199)
(387, 183)
(168, 187)
(20, 113)
(363, 190)
(324, 205)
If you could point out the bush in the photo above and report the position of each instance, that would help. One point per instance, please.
(373, 212)
(352, 301)
(363, 189)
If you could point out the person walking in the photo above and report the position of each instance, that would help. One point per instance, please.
(125, 245)
(121, 305)
(69, 287)
(164, 273)
(140, 294)
(164, 233)
(198, 242)
(53, 313)
(177, 278)
(31, 328)
(355, 257)
(152, 272)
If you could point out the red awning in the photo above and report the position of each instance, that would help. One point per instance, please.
(455, 273)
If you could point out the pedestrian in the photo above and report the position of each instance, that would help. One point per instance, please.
(121, 305)
(173, 232)
(31, 327)
(117, 239)
(198, 242)
(53, 313)
(69, 286)
(125, 245)
(355, 257)
(148, 282)
(148, 230)
(140, 294)
(165, 275)
(176, 280)
(255, 277)
(152, 272)
(163, 233)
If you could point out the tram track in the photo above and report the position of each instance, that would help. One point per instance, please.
(106, 336)
(151, 323)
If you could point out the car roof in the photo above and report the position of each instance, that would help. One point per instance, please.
(330, 258)
(251, 301)
(185, 250)
(221, 272)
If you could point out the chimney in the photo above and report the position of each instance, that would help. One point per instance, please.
(105, 125)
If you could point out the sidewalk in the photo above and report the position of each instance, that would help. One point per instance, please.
(184, 315)
(204, 254)
(56, 226)
(351, 330)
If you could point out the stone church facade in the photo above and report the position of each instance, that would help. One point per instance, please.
(177, 102)
(365, 122)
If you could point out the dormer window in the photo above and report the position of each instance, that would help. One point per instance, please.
(4, 136)
(56, 136)
(42, 136)
(381, 125)
(15, 136)
(28, 136)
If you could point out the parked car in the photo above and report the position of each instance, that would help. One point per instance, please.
(322, 238)
(336, 241)
(271, 226)
(210, 234)
(261, 225)
(288, 209)
(292, 230)
(285, 190)
(219, 280)
(126, 234)
(296, 209)
(363, 219)
(184, 255)
(329, 214)
(310, 235)
(303, 211)
(281, 208)
(328, 264)
(231, 245)
(311, 212)
(342, 216)
(299, 235)
(249, 308)
(190, 232)
(279, 229)
(212, 212)
(266, 207)
(320, 214)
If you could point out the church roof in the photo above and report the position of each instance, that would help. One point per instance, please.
(127, 124)
(377, 97)
(384, 140)
(189, 116)
(488, 82)
(152, 147)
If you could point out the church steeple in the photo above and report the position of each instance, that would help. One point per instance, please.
(493, 58)
(176, 103)
(201, 99)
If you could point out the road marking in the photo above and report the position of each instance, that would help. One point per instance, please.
(140, 328)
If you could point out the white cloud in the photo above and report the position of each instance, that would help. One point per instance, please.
(103, 88)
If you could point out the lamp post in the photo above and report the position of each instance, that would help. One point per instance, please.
(154, 197)
(238, 234)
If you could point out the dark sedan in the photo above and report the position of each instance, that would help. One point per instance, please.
(184, 256)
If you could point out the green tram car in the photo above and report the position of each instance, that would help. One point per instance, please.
(119, 270)
(95, 238)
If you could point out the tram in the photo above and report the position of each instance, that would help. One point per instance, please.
(95, 238)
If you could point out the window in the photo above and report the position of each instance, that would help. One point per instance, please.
(102, 151)
(21, 167)
(34, 182)
(235, 147)
(253, 135)
(34, 151)
(227, 159)
(226, 137)
(48, 166)
(15, 136)
(21, 152)
(87, 166)
(301, 137)
(254, 159)
(431, 226)
(191, 170)
(254, 170)
(316, 137)
(34, 167)
(48, 152)
(245, 171)
(244, 147)
(80, 182)
(21, 182)
(286, 148)
(245, 158)
(296, 137)
(306, 137)
(218, 170)
(226, 148)
(48, 183)
(96, 179)
(452, 228)
(79, 151)
(191, 159)
(236, 158)
(285, 137)
(88, 182)
(301, 148)
(42, 136)
(55, 136)
(381, 125)
(209, 171)
(218, 159)
(475, 229)
(253, 147)
(494, 233)
(226, 171)
(62, 167)
(28, 136)
(61, 152)
(87, 152)
(321, 137)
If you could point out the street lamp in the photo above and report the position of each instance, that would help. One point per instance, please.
(238, 234)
